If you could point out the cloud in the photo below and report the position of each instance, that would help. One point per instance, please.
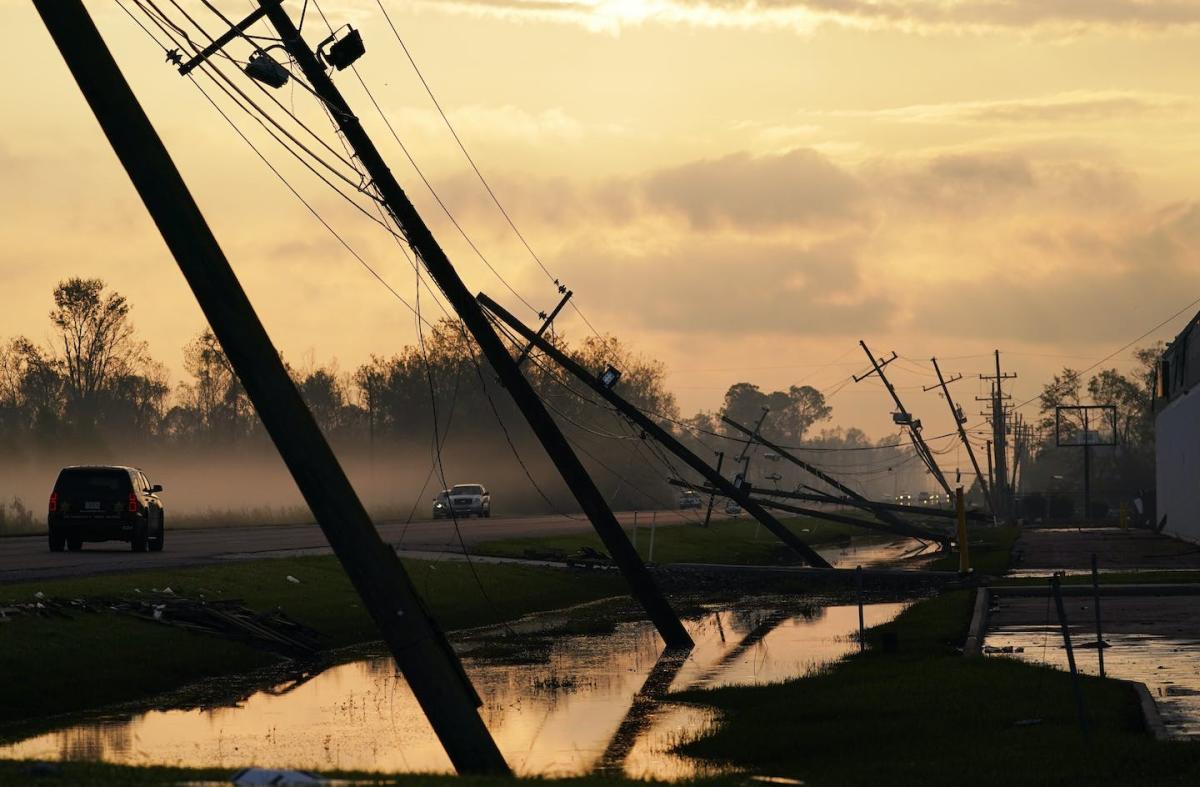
(981, 182)
(919, 16)
(1101, 285)
(798, 188)
(707, 286)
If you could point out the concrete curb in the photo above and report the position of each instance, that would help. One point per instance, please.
(1150, 715)
(868, 573)
(974, 643)
(1040, 591)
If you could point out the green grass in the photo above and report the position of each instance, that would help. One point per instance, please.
(94, 659)
(739, 541)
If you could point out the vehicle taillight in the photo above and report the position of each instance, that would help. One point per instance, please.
(53, 502)
(133, 503)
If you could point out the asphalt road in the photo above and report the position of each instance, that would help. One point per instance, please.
(26, 558)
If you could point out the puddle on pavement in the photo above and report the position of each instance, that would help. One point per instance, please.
(1167, 665)
(597, 704)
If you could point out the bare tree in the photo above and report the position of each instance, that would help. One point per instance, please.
(97, 341)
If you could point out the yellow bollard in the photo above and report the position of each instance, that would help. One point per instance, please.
(964, 558)
(1124, 516)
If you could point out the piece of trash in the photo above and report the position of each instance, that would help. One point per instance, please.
(1027, 722)
(39, 594)
(158, 614)
(168, 591)
(293, 580)
(1092, 645)
(275, 776)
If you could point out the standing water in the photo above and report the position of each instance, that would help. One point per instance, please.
(597, 703)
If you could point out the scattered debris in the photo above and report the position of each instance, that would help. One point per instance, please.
(293, 580)
(270, 630)
(587, 557)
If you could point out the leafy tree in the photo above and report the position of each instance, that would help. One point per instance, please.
(792, 412)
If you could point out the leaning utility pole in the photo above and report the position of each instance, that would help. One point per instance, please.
(443, 273)
(959, 419)
(904, 418)
(743, 458)
(1003, 494)
(712, 497)
(892, 520)
(418, 645)
(739, 493)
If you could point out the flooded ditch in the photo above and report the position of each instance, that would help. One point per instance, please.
(572, 704)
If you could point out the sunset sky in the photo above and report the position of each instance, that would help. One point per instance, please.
(742, 190)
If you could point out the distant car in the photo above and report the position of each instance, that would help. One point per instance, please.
(441, 504)
(689, 499)
(105, 503)
(732, 508)
(462, 500)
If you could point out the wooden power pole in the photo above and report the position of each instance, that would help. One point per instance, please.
(1000, 488)
(438, 265)
(904, 418)
(735, 492)
(420, 649)
(959, 419)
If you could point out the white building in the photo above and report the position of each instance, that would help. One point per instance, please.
(1177, 435)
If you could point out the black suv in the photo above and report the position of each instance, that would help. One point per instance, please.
(105, 503)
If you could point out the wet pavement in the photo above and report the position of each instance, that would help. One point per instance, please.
(1039, 551)
(597, 703)
(1152, 639)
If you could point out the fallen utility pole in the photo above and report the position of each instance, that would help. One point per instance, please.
(418, 645)
(904, 528)
(846, 520)
(905, 419)
(880, 514)
(647, 425)
(867, 505)
(959, 419)
(438, 265)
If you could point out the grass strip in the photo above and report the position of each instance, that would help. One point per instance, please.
(741, 541)
(90, 660)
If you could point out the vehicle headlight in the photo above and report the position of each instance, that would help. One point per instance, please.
(439, 505)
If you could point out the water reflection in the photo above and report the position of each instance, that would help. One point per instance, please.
(904, 553)
(599, 702)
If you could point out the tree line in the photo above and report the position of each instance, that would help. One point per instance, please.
(95, 384)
